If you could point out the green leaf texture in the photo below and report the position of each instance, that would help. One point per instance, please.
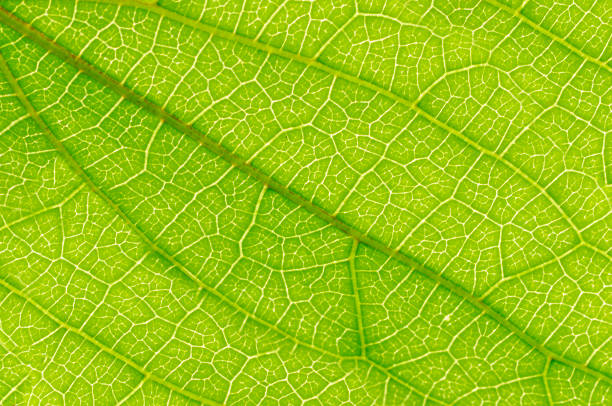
(283, 202)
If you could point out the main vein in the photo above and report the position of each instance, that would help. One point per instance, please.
(42, 40)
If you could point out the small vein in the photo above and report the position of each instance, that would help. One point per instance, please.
(546, 385)
(358, 310)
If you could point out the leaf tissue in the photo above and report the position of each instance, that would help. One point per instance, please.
(317, 202)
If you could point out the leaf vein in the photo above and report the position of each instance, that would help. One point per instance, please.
(48, 44)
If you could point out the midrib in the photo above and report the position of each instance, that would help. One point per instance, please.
(12, 21)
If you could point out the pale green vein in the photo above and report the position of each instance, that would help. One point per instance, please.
(497, 285)
(546, 385)
(549, 34)
(14, 389)
(82, 65)
(159, 250)
(132, 393)
(44, 210)
(358, 310)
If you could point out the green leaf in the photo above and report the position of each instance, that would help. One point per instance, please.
(308, 202)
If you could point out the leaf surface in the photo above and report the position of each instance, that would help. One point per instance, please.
(326, 202)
